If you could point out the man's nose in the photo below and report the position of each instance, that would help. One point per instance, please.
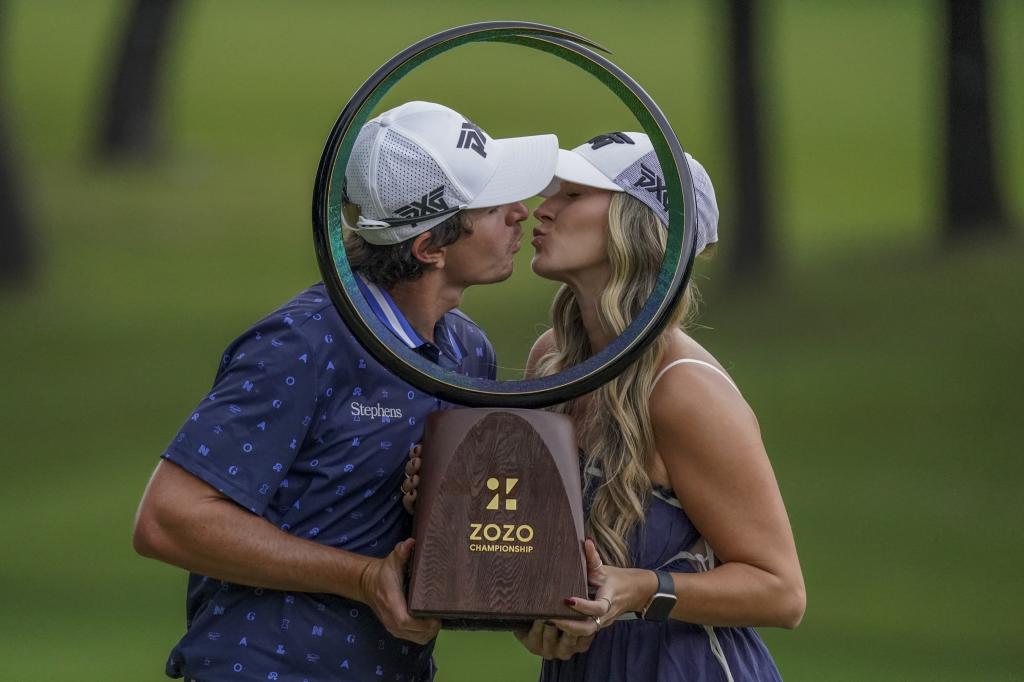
(517, 213)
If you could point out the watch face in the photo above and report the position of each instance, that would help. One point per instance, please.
(660, 607)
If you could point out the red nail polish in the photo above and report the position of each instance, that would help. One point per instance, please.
(570, 601)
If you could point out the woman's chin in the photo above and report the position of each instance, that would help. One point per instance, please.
(539, 269)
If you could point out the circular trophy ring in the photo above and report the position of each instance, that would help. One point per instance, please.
(471, 391)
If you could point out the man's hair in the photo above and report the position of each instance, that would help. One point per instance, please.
(387, 265)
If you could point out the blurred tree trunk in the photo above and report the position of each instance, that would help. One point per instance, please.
(15, 252)
(973, 205)
(752, 251)
(16, 262)
(130, 127)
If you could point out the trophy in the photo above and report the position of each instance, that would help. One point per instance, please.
(499, 520)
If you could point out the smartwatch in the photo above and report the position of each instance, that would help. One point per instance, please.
(664, 599)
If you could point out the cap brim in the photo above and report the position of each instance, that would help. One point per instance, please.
(572, 167)
(526, 167)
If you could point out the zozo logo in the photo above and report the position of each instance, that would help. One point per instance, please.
(510, 502)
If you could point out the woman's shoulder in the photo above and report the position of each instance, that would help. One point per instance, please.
(692, 383)
(683, 349)
(697, 413)
(544, 344)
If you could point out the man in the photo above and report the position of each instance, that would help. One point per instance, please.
(280, 494)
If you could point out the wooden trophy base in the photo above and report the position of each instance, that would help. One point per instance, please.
(499, 519)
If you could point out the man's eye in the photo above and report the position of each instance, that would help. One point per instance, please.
(573, 195)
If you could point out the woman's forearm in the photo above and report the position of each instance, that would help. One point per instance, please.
(737, 594)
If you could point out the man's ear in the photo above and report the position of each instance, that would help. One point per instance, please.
(426, 253)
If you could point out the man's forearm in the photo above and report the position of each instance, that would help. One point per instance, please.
(184, 522)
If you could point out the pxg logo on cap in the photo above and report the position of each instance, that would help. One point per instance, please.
(627, 162)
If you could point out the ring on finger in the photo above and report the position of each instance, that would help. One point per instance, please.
(597, 621)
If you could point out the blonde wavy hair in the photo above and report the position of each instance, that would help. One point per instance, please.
(616, 433)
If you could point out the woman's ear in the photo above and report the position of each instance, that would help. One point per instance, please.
(427, 253)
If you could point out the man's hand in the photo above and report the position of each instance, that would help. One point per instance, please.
(412, 479)
(545, 639)
(382, 590)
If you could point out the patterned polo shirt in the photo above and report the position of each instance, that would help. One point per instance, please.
(304, 428)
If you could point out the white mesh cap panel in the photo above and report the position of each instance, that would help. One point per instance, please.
(357, 173)
(407, 174)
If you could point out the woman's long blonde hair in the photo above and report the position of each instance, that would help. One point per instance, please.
(616, 432)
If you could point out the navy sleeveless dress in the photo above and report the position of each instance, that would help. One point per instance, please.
(672, 651)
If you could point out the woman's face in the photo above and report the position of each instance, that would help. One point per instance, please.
(571, 239)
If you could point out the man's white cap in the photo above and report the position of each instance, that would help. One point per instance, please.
(415, 165)
(627, 162)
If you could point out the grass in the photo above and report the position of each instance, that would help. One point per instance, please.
(885, 372)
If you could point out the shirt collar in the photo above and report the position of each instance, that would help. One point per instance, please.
(391, 316)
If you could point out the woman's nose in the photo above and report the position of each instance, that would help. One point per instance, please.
(546, 210)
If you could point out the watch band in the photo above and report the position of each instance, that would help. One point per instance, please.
(664, 599)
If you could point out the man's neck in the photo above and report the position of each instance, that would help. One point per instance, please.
(424, 301)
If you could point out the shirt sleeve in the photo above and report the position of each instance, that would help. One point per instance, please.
(245, 434)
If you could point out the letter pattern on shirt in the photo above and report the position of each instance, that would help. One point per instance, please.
(307, 430)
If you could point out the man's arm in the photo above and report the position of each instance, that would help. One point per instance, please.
(185, 522)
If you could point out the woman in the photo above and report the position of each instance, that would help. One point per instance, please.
(687, 523)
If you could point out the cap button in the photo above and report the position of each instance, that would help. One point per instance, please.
(384, 121)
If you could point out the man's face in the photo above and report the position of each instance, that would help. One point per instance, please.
(486, 254)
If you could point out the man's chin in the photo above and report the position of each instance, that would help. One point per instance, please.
(496, 277)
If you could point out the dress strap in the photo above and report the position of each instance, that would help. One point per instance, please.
(691, 361)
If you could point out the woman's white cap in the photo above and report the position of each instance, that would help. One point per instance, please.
(417, 164)
(627, 162)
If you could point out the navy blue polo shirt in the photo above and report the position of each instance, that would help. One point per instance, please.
(304, 428)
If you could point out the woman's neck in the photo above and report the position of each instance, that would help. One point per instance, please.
(588, 297)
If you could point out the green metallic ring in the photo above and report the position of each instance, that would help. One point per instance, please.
(406, 363)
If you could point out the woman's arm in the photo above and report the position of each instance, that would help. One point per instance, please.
(710, 444)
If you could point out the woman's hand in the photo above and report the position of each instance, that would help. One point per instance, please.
(412, 479)
(547, 640)
(619, 591)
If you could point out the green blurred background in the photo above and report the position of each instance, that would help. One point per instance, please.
(885, 368)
